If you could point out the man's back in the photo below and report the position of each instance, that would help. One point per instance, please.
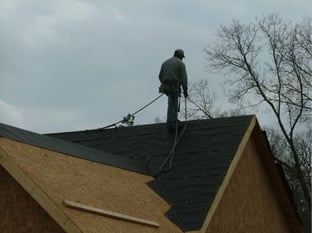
(173, 69)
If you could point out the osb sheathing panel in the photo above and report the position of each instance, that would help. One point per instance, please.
(19, 212)
(249, 203)
(101, 186)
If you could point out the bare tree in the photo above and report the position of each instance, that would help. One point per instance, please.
(282, 154)
(203, 101)
(270, 62)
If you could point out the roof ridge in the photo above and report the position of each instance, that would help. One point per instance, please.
(160, 125)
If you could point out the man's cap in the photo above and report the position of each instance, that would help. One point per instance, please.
(179, 53)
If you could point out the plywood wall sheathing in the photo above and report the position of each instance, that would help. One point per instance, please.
(19, 212)
(229, 174)
(39, 195)
(251, 199)
(249, 203)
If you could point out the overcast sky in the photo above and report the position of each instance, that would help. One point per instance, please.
(82, 64)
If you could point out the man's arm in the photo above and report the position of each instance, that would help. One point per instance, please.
(160, 76)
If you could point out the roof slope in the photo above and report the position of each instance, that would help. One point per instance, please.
(65, 147)
(201, 160)
(51, 178)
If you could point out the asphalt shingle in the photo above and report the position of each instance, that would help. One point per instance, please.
(200, 162)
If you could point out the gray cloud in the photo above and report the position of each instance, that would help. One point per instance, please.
(68, 65)
(10, 115)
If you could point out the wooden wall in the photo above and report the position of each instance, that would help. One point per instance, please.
(19, 212)
(249, 203)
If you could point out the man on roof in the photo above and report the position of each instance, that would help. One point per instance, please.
(173, 76)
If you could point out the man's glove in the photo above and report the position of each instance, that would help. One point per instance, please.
(185, 94)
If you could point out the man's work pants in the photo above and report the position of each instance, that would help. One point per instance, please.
(173, 108)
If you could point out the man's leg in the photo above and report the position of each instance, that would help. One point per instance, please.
(172, 112)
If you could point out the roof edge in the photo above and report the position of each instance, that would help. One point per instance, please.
(269, 165)
(277, 181)
(72, 149)
(229, 173)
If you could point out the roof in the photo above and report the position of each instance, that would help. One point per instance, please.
(54, 180)
(65, 147)
(122, 157)
(201, 160)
